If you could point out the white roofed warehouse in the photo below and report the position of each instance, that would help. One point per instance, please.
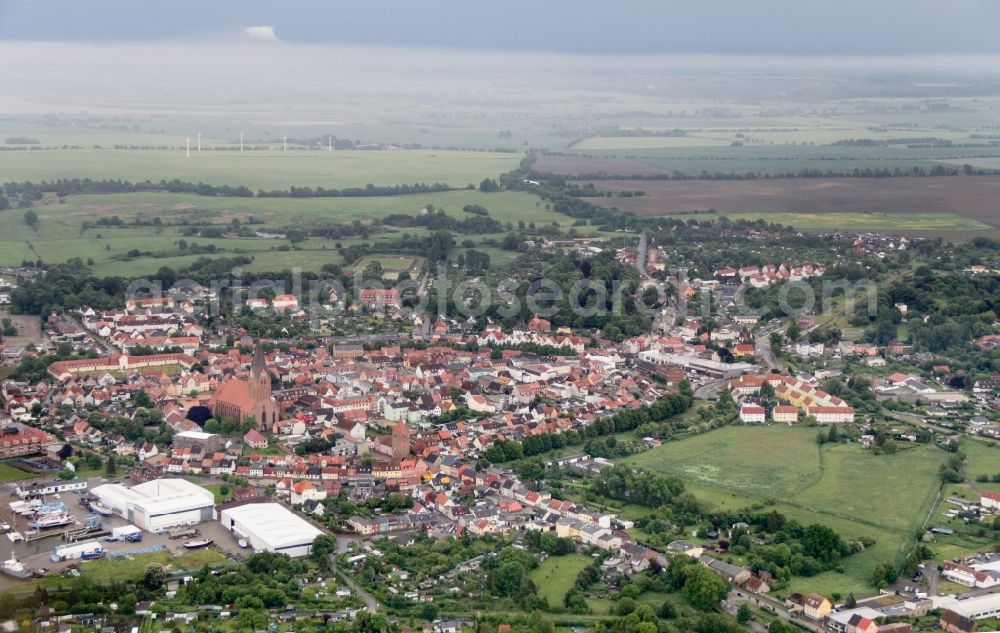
(159, 504)
(270, 527)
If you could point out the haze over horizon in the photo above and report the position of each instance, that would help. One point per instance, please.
(639, 27)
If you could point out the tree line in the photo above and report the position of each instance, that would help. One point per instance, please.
(664, 408)
(29, 190)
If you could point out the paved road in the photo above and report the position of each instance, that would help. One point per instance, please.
(931, 573)
(762, 346)
(369, 599)
(710, 390)
(101, 342)
(732, 607)
(778, 608)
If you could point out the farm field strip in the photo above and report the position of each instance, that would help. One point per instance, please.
(261, 169)
(869, 221)
(975, 198)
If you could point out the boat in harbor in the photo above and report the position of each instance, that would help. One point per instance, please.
(51, 520)
(205, 542)
(49, 515)
(15, 569)
(100, 508)
(93, 554)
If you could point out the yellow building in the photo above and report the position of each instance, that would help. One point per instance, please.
(816, 606)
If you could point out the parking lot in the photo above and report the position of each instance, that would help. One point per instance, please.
(36, 553)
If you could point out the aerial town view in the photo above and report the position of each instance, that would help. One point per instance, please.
(552, 316)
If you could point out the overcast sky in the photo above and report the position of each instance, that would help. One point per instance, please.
(776, 27)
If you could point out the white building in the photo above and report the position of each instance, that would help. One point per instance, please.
(990, 500)
(50, 488)
(978, 608)
(831, 415)
(752, 413)
(270, 527)
(159, 504)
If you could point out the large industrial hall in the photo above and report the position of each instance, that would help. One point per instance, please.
(159, 504)
(270, 527)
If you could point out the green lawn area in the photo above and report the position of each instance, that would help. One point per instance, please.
(272, 449)
(217, 491)
(60, 235)
(556, 575)
(262, 169)
(116, 569)
(9, 473)
(855, 492)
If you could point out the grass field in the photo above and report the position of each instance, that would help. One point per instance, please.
(59, 235)
(556, 575)
(261, 169)
(116, 569)
(841, 486)
(9, 473)
(983, 459)
(216, 490)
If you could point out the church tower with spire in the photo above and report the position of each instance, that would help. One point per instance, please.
(260, 378)
(249, 399)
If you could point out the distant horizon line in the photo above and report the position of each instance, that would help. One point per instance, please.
(951, 61)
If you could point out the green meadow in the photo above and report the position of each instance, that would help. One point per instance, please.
(60, 234)
(556, 576)
(842, 486)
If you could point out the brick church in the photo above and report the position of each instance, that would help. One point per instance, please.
(248, 399)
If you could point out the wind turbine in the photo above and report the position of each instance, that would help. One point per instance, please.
(199, 141)
(241, 141)
(284, 143)
(329, 141)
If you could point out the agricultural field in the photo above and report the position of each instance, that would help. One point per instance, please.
(957, 203)
(775, 159)
(858, 221)
(827, 132)
(261, 169)
(574, 164)
(783, 467)
(649, 142)
(60, 234)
